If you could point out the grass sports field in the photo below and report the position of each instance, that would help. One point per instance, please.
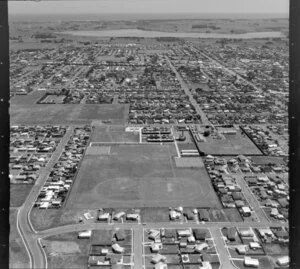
(67, 114)
(139, 176)
(113, 134)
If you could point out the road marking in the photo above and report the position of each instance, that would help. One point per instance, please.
(177, 149)
(29, 221)
(30, 259)
(140, 134)
(45, 256)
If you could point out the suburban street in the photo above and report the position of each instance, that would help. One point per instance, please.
(138, 234)
(229, 70)
(32, 237)
(27, 230)
(34, 240)
(189, 94)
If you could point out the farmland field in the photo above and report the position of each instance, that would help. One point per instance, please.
(67, 114)
(139, 176)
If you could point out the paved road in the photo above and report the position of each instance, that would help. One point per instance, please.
(251, 199)
(38, 257)
(175, 225)
(138, 234)
(204, 119)
(27, 231)
(221, 249)
(137, 248)
(229, 70)
(32, 237)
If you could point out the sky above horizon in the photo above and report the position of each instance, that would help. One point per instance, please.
(148, 6)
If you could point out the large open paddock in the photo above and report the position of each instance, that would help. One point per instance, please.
(68, 114)
(106, 133)
(233, 144)
(28, 99)
(139, 176)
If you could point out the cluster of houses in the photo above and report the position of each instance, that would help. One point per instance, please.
(250, 244)
(180, 213)
(264, 140)
(277, 235)
(106, 216)
(235, 104)
(62, 175)
(224, 98)
(24, 73)
(261, 66)
(248, 166)
(156, 96)
(113, 251)
(41, 77)
(190, 72)
(30, 150)
(244, 241)
(273, 194)
(101, 83)
(228, 191)
(168, 247)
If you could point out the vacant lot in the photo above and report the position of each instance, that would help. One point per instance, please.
(19, 193)
(67, 114)
(113, 134)
(260, 160)
(46, 219)
(156, 214)
(264, 262)
(217, 215)
(67, 251)
(233, 215)
(231, 145)
(276, 249)
(139, 176)
(18, 257)
(189, 162)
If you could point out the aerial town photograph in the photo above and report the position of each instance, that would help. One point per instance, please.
(149, 134)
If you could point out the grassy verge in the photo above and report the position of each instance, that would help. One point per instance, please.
(18, 257)
(19, 193)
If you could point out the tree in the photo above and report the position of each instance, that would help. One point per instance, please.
(206, 133)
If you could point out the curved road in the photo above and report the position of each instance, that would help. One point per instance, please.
(32, 238)
(27, 232)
